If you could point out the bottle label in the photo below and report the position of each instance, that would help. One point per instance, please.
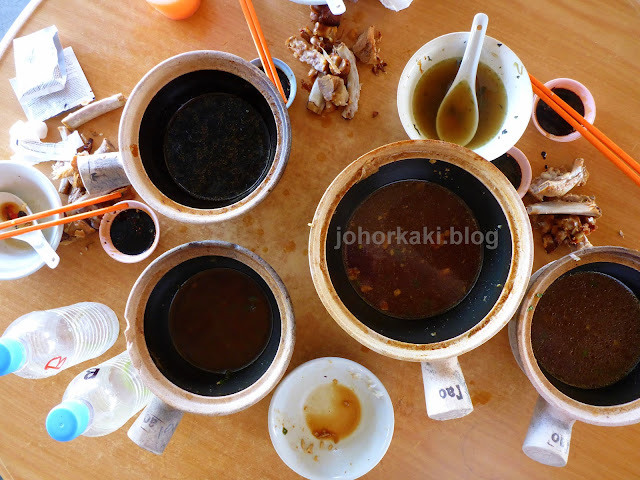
(55, 363)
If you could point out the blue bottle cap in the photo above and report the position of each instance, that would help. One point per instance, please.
(12, 355)
(68, 420)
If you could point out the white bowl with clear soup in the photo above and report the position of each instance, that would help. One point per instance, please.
(314, 458)
(500, 59)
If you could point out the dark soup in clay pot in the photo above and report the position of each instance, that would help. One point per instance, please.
(586, 330)
(220, 320)
(411, 249)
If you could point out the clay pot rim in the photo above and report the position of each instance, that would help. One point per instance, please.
(515, 285)
(137, 104)
(613, 415)
(170, 393)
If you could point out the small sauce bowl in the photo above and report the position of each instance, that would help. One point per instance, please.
(105, 233)
(286, 69)
(585, 97)
(525, 170)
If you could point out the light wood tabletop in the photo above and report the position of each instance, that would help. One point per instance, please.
(118, 41)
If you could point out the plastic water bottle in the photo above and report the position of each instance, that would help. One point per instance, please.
(99, 401)
(43, 343)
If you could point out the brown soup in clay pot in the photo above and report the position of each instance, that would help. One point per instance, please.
(413, 254)
(586, 330)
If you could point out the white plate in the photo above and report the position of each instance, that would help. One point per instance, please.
(352, 456)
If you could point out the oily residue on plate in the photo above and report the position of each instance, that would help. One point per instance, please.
(332, 411)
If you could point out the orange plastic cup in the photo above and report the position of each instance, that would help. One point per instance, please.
(175, 9)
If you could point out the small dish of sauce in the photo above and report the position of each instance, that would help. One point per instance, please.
(130, 235)
(286, 76)
(516, 167)
(510, 168)
(552, 125)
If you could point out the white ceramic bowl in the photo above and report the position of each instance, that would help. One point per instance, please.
(352, 456)
(586, 98)
(17, 258)
(105, 234)
(496, 56)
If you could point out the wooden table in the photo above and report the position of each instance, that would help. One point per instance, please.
(117, 41)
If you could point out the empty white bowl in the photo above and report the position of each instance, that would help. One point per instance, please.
(17, 258)
(354, 455)
(496, 56)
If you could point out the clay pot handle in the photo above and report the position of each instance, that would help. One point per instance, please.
(549, 435)
(154, 428)
(445, 390)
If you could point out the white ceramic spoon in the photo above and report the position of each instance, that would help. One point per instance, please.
(35, 239)
(457, 119)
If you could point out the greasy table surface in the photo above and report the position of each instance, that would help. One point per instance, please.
(118, 41)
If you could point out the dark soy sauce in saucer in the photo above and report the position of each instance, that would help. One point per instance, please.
(220, 320)
(284, 80)
(133, 231)
(553, 123)
(217, 147)
(586, 330)
(510, 168)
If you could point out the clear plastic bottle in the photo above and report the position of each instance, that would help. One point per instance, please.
(43, 343)
(99, 401)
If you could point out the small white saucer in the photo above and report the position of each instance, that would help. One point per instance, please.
(352, 456)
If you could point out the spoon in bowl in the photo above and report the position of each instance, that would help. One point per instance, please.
(457, 118)
(11, 206)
